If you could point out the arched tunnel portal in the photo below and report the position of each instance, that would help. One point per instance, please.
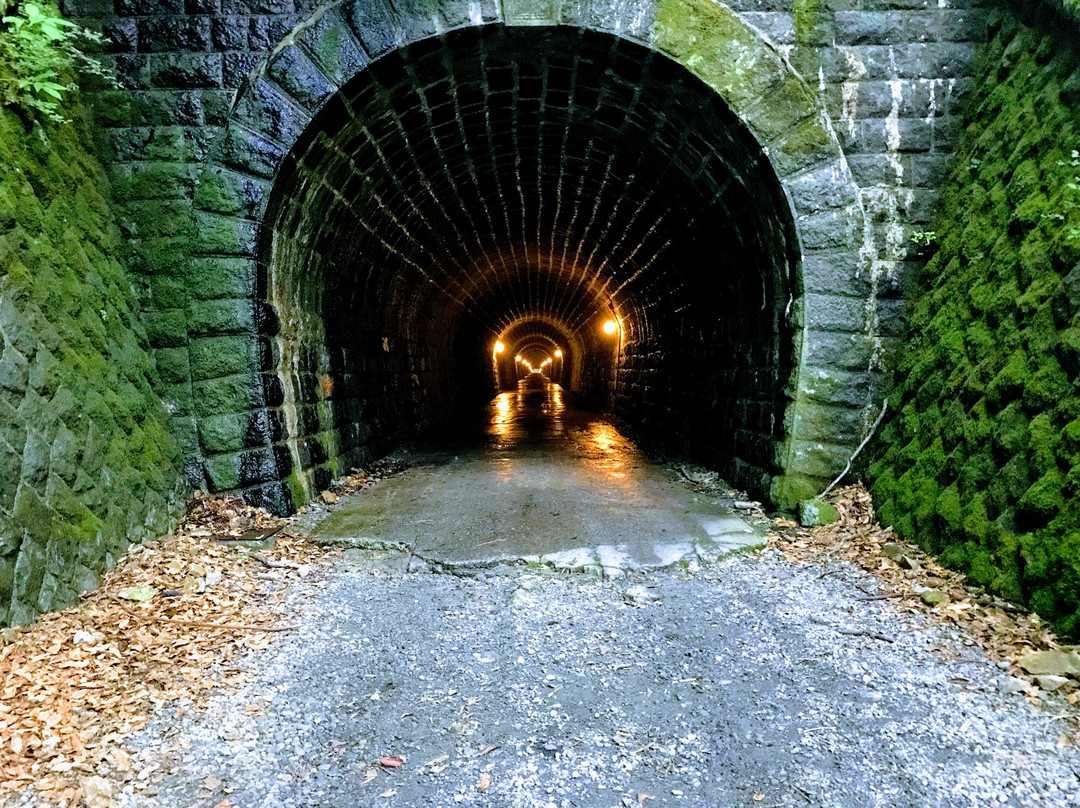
(497, 176)
(418, 212)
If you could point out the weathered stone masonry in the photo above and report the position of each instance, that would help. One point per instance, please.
(86, 461)
(981, 461)
(853, 107)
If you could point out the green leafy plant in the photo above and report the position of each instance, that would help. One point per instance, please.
(924, 238)
(39, 53)
(1072, 195)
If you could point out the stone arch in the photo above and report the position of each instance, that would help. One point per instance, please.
(830, 354)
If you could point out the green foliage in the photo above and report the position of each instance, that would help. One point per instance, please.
(982, 461)
(39, 52)
(1071, 197)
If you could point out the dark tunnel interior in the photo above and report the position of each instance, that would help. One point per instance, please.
(533, 190)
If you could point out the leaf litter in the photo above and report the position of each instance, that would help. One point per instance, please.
(169, 622)
(361, 479)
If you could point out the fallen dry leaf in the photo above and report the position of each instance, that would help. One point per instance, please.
(389, 792)
(373, 473)
(391, 761)
(371, 775)
(138, 593)
(485, 782)
(120, 760)
(97, 792)
(642, 796)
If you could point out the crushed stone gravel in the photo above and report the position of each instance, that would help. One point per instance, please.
(751, 682)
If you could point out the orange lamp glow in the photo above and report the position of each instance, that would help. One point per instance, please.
(558, 353)
(610, 327)
(499, 347)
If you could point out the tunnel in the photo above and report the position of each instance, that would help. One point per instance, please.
(497, 196)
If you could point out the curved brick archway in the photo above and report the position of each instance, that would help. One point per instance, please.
(821, 359)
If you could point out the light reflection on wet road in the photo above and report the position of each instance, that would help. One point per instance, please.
(540, 478)
(536, 420)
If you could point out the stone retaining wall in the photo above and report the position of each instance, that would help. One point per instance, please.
(86, 461)
(981, 462)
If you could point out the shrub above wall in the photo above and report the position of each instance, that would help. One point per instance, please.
(86, 462)
(981, 463)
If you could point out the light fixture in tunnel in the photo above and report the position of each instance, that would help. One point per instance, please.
(558, 353)
(610, 327)
(499, 347)
(517, 358)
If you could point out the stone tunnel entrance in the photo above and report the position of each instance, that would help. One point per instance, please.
(499, 197)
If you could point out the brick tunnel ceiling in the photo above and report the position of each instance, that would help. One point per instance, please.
(491, 176)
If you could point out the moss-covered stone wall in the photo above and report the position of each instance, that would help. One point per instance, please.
(981, 460)
(86, 462)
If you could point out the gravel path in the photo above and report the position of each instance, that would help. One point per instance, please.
(730, 685)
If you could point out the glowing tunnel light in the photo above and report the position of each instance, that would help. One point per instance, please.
(499, 347)
(610, 327)
(558, 353)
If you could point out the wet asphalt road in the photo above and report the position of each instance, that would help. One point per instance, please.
(705, 683)
(540, 480)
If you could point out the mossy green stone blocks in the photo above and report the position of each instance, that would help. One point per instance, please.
(218, 277)
(225, 235)
(229, 394)
(215, 357)
(982, 464)
(814, 512)
(86, 459)
(223, 433)
(208, 318)
(167, 327)
(223, 471)
(173, 366)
